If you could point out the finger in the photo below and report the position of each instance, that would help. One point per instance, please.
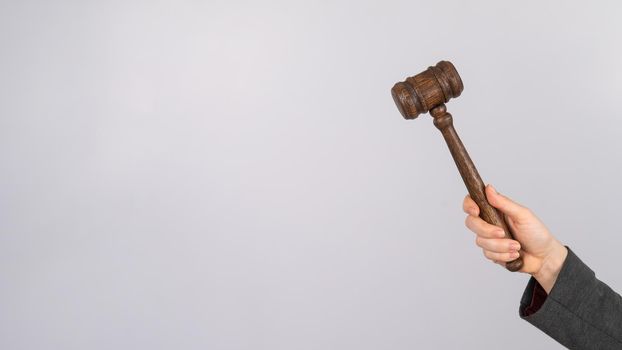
(505, 204)
(500, 256)
(482, 228)
(502, 245)
(469, 206)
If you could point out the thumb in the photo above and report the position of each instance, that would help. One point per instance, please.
(505, 204)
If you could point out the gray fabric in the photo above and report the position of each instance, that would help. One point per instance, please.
(581, 312)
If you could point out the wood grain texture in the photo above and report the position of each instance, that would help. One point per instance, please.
(429, 91)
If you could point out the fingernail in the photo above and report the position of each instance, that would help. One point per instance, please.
(514, 255)
(500, 233)
(515, 246)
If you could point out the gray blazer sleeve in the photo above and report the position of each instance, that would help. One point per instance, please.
(580, 312)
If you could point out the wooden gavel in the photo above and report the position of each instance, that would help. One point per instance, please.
(429, 91)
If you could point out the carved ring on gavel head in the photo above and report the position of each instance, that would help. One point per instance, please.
(429, 91)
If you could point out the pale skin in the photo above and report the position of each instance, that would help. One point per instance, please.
(543, 255)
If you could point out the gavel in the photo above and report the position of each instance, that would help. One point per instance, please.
(429, 91)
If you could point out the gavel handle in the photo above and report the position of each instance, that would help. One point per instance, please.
(444, 122)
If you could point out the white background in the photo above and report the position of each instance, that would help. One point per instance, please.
(235, 175)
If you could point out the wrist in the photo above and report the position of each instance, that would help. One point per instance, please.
(551, 266)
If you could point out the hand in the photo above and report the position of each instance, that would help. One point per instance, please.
(543, 255)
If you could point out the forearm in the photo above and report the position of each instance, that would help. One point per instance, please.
(551, 265)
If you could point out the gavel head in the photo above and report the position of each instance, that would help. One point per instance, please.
(426, 90)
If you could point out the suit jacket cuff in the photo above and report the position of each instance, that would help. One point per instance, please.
(574, 282)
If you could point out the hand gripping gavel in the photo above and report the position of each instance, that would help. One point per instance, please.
(429, 91)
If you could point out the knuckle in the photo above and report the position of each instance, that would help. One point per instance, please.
(468, 221)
